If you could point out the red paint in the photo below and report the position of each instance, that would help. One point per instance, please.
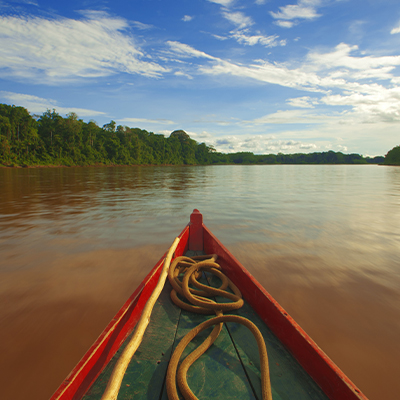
(324, 372)
(196, 231)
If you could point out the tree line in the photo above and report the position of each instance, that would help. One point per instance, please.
(393, 156)
(328, 157)
(50, 139)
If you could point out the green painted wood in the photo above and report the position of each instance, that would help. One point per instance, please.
(218, 373)
(288, 378)
(145, 375)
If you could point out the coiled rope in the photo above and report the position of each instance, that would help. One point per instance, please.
(191, 268)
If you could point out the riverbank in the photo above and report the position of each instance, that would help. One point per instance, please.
(172, 165)
(84, 166)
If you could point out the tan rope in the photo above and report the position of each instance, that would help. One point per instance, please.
(114, 384)
(204, 305)
(172, 375)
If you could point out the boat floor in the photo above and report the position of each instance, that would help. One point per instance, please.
(229, 369)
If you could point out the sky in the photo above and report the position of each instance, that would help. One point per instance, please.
(266, 76)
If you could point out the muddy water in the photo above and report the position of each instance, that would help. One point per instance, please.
(74, 243)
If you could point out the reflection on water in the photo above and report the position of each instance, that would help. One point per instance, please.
(75, 242)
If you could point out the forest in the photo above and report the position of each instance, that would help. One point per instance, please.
(393, 156)
(50, 139)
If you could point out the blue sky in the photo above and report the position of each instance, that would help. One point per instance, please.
(265, 76)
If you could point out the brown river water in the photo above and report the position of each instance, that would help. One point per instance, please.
(75, 243)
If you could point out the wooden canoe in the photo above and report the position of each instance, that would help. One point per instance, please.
(299, 369)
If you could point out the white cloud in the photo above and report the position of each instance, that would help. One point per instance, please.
(238, 18)
(56, 50)
(320, 73)
(316, 132)
(308, 146)
(285, 24)
(146, 121)
(268, 73)
(340, 57)
(181, 73)
(395, 30)
(202, 135)
(224, 3)
(260, 144)
(30, 2)
(303, 102)
(334, 75)
(219, 37)
(36, 105)
(290, 117)
(340, 132)
(187, 18)
(242, 34)
(263, 71)
(304, 9)
(251, 40)
(244, 37)
(382, 106)
(187, 51)
(142, 26)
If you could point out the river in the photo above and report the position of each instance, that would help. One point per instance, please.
(324, 240)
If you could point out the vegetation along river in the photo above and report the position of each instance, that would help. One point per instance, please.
(324, 240)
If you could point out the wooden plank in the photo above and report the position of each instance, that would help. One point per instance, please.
(144, 377)
(218, 373)
(288, 379)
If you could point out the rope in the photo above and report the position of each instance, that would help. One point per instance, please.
(203, 305)
(114, 384)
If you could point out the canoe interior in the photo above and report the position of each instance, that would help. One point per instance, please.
(229, 369)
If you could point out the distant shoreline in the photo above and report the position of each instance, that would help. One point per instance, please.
(84, 166)
(169, 165)
(27, 142)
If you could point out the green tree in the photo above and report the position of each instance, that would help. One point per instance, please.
(49, 125)
(5, 134)
(204, 153)
(188, 146)
(110, 127)
(393, 156)
(19, 135)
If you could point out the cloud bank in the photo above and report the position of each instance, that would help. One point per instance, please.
(54, 50)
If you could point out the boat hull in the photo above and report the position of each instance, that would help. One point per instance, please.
(197, 237)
